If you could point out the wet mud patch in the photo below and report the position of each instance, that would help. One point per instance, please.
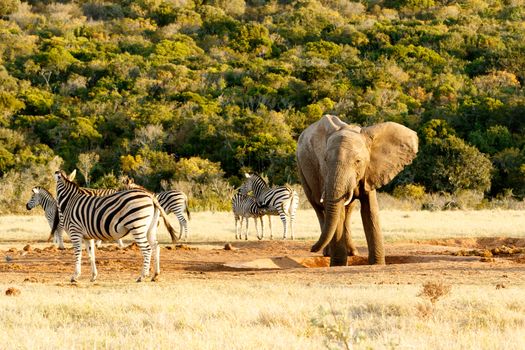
(309, 262)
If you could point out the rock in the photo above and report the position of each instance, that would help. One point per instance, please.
(12, 291)
(228, 246)
(28, 248)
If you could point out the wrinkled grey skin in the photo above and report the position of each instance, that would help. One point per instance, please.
(339, 163)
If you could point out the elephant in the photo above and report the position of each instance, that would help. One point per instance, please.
(339, 163)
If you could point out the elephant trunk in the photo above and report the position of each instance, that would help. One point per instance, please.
(333, 212)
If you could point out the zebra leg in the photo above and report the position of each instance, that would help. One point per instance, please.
(183, 225)
(256, 230)
(59, 238)
(145, 249)
(262, 228)
(141, 238)
(90, 249)
(152, 239)
(76, 240)
(282, 215)
(270, 224)
(293, 211)
(246, 232)
(236, 230)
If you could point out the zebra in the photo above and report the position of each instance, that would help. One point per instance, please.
(43, 197)
(245, 207)
(172, 201)
(280, 200)
(110, 217)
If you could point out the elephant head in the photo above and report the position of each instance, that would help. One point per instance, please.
(339, 163)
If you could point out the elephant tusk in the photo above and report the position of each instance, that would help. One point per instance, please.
(348, 200)
(322, 198)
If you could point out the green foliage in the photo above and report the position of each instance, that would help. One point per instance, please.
(7, 7)
(409, 191)
(198, 170)
(450, 165)
(149, 84)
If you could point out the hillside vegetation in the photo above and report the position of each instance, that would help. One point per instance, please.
(201, 91)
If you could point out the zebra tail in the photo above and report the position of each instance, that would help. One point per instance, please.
(187, 209)
(170, 228)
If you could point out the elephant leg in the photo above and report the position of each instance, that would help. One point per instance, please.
(326, 250)
(374, 236)
(338, 249)
(350, 246)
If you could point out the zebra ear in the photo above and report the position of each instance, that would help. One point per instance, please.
(35, 190)
(71, 176)
(247, 175)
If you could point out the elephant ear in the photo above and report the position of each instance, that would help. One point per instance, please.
(392, 147)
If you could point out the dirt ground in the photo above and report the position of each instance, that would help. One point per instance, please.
(484, 261)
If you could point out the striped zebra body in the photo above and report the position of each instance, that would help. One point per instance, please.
(280, 200)
(172, 201)
(245, 207)
(42, 197)
(101, 192)
(111, 217)
(176, 202)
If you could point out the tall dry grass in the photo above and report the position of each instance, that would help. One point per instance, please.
(244, 314)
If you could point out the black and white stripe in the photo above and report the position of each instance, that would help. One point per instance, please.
(245, 207)
(176, 202)
(43, 197)
(111, 217)
(100, 192)
(280, 200)
(172, 201)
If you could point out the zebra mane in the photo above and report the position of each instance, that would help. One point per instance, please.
(259, 177)
(66, 179)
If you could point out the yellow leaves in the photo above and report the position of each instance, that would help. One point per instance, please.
(130, 163)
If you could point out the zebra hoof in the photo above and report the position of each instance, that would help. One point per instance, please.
(93, 279)
(73, 280)
(155, 278)
(139, 279)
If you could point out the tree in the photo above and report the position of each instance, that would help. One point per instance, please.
(451, 165)
(7, 7)
(86, 163)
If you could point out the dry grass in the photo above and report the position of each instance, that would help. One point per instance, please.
(397, 226)
(240, 314)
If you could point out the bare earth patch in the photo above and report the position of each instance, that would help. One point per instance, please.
(457, 261)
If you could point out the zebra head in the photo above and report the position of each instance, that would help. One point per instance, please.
(65, 189)
(36, 198)
(253, 183)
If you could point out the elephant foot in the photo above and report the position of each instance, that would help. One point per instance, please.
(339, 261)
(326, 251)
(376, 261)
